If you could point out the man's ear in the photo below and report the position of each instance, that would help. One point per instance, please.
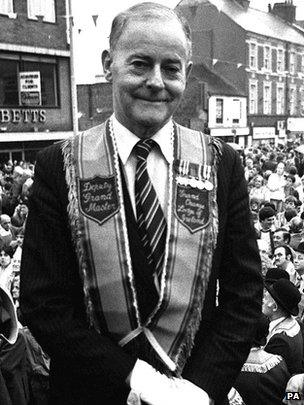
(106, 64)
(188, 69)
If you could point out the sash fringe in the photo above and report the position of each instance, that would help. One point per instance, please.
(77, 233)
(262, 368)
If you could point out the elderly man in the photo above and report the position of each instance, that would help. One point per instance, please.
(7, 232)
(280, 305)
(130, 226)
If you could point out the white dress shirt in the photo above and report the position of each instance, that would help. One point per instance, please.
(157, 162)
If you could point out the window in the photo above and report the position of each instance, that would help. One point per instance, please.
(10, 70)
(302, 101)
(44, 8)
(302, 63)
(292, 62)
(253, 97)
(6, 6)
(236, 111)
(292, 100)
(219, 110)
(280, 99)
(267, 98)
(267, 58)
(280, 60)
(253, 55)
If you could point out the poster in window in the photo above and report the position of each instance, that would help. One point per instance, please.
(30, 88)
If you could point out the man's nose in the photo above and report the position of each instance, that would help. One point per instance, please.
(155, 79)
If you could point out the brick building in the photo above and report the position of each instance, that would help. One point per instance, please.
(260, 53)
(35, 96)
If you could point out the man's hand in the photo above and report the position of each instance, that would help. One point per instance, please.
(155, 388)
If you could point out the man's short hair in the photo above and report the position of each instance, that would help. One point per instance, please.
(291, 177)
(266, 212)
(290, 213)
(143, 11)
(296, 225)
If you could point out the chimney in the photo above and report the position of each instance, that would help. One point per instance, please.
(286, 11)
(244, 3)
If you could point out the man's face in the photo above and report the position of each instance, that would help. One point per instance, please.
(298, 262)
(268, 304)
(280, 259)
(5, 259)
(280, 168)
(148, 68)
(267, 223)
(278, 238)
(258, 182)
(5, 223)
(290, 204)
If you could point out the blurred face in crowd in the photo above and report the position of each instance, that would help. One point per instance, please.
(258, 181)
(267, 223)
(298, 262)
(280, 169)
(5, 259)
(249, 163)
(16, 287)
(289, 182)
(289, 204)
(5, 222)
(281, 260)
(278, 238)
(148, 68)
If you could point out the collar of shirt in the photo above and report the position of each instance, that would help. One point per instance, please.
(126, 140)
(274, 323)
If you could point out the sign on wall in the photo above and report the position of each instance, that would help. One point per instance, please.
(30, 88)
(263, 132)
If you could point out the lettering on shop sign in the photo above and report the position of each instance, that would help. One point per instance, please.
(192, 207)
(20, 115)
(98, 198)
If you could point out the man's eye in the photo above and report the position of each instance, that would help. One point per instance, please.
(139, 64)
(171, 69)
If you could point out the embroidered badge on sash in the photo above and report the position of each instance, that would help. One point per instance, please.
(98, 198)
(192, 194)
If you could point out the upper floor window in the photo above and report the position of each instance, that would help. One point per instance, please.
(292, 62)
(6, 6)
(219, 110)
(267, 98)
(236, 111)
(267, 58)
(43, 8)
(253, 97)
(253, 55)
(293, 100)
(280, 99)
(280, 60)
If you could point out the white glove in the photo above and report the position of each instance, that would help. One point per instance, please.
(157, 389)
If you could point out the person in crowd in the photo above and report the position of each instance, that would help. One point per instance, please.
(281, 236)
(287, 215)
(264, 376)
(295, 385)
(259, 191)
(296, 231)
(289, 188)
(248, 170)
(90, 218)
(270, 164)
(254, 205)
(7, 232)
(265, 227)
(280, 305)
(6, 267)
(283, 259)
(264, 255)
(299, 267)
(19, 217)
(276, 183)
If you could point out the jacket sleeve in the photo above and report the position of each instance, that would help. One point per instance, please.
(51, 295)
(224, 339)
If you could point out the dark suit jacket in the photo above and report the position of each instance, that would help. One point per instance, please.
(90, 368)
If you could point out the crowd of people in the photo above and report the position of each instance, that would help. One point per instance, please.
(23, 364)
(275, 178)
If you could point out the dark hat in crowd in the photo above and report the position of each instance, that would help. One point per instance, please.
(274, 274)
(300, 247)
(286, 295)
(266, 212)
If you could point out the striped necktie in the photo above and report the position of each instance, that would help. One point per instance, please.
(150, 218)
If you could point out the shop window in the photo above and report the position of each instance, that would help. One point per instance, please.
(6, 6)
(41, 8)
(13, 73)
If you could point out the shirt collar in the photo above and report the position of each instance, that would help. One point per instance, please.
(274, 323)
(126, 140)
